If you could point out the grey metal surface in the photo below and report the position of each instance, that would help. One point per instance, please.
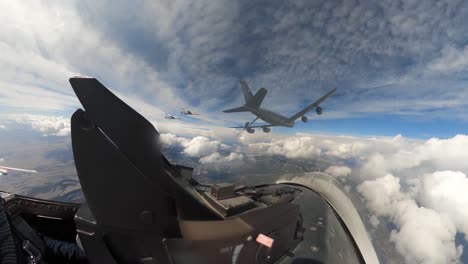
(327, 187)
(325, 239)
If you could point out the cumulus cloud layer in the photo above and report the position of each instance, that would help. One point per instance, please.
(420, 186)
(47, 125)
(218, 158)
(206, 149)
(425, 234)
(338, 171)
(446, 192)
(200, 146)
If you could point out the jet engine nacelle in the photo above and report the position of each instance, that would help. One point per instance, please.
(266, 129)
(251, 130)
(319, 110)
(304, 119)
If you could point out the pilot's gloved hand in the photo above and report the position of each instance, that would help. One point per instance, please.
(66, 252)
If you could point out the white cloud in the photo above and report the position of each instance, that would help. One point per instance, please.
(435, 154)
(218, 158)
(338, 171)
(374, 221)
(424, 235)
(200, 146)
(380, 193)
(294, 147)
(451, 60)
(204, 148)
(418, 185)
(340, 147)
(447, 193)
(43, 44)
(3, 127)
(171, 139)
(212, 158)
(47, 125)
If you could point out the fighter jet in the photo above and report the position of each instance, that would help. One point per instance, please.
(169, 116)
(253, 102)
(187, 112)
(4, 170)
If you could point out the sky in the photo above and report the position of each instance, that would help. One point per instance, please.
(399, 66)
(396, 126)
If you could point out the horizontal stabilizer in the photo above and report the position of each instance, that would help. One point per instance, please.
(237, 109)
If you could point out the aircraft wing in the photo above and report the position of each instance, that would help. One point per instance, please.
(17, 169)
(257, 126)
(312, 106)
(269, 125)
(237, 109)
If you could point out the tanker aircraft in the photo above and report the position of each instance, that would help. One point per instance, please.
(253, 102)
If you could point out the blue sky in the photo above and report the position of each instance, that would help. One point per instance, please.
(399, 67)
